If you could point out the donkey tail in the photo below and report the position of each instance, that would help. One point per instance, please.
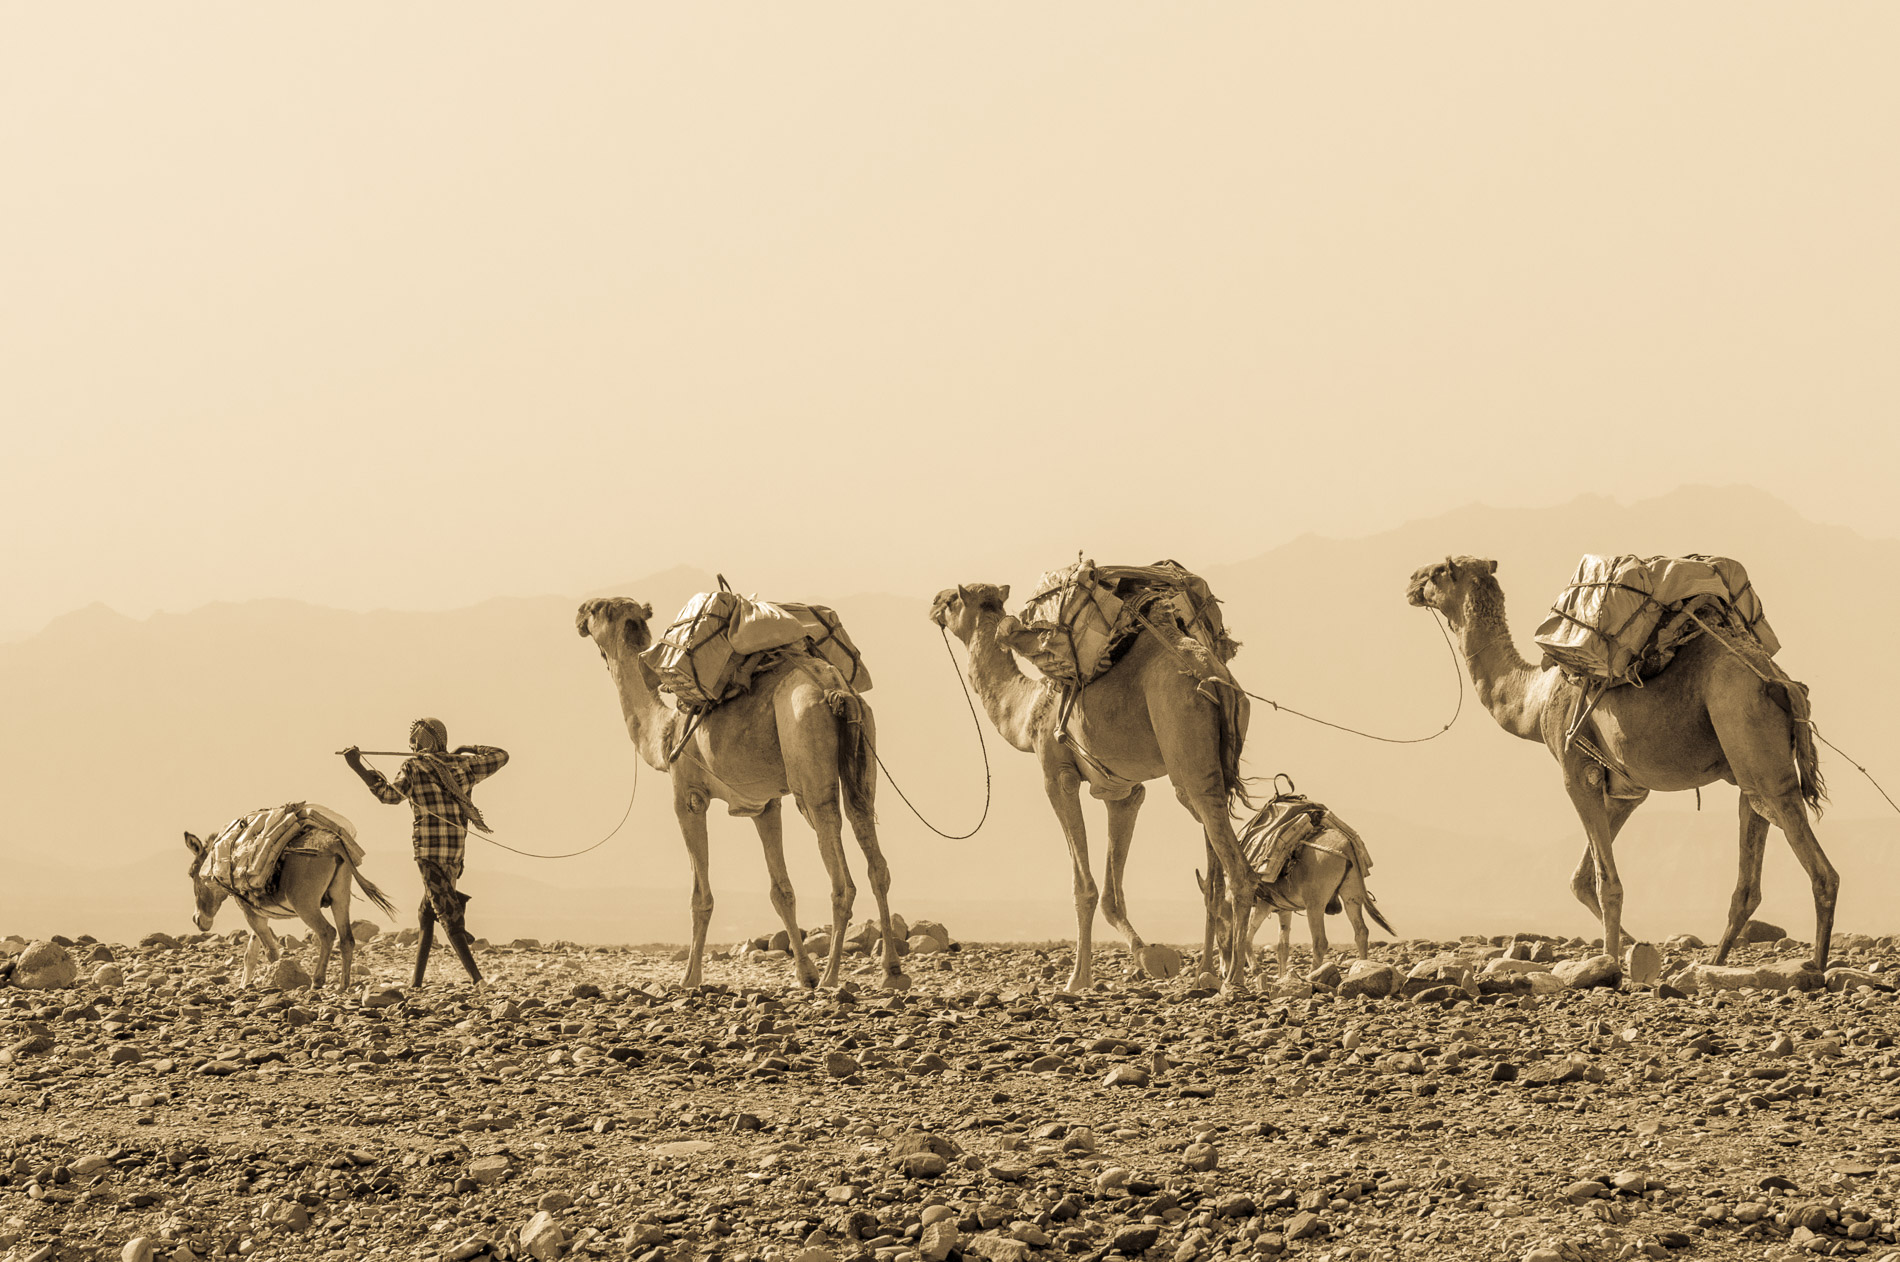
(373, 894)
(1372, 910)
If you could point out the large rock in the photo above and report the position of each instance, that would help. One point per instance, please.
(1839, 979)
(1369, 978)
(45, 966)
(364, 930)
(1642, 964)
(1790, 975)
(1762, 931)
(1594, 970)
(287, 974)
(542, 1238)
(1716, 977)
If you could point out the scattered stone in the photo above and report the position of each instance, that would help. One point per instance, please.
(45, 966)
(1371, 979)
(1642, 964)
(1595, 970)
(542, 1237)
(1126, 1076)
(287, 974)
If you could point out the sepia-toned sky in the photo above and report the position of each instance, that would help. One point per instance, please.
(417, 305)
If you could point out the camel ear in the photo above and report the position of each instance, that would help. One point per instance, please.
(1002, 593)
(1494, 567)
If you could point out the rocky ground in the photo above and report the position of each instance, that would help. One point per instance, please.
(582, 1105)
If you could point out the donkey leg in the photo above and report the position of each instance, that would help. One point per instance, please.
(340, 913)
(326, 941)
(1284, 953)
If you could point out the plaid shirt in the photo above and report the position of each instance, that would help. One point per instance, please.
(441, 824)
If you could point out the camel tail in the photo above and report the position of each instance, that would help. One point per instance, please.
(857, 764)
(1231, 702)
(375, 895)
(1807, 760)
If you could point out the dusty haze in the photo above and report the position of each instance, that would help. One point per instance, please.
(343, 351)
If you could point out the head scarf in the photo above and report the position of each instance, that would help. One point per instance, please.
(431, 739)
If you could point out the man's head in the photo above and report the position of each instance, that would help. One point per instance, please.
(428, 736)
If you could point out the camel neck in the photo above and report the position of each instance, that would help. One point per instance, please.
(646, 715)
(1009, 697)
(1504, 681)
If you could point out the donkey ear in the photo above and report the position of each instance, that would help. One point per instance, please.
(193, 844)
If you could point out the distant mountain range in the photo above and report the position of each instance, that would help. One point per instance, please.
(120, 734)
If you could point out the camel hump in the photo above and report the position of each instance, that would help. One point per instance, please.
(1621, 619)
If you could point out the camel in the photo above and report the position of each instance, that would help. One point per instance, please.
(1721, 710)
(800, 730)
(1320, 878)
(1150, 714)
(307, 882)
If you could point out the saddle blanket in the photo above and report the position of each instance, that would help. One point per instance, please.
(245, 855)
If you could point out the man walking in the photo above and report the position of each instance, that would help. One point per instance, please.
(436, 784)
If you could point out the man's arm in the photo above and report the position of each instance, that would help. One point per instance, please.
(481, 761)
(383, 790)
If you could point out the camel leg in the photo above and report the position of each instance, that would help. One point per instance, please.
(1285, 951)
(1747, 896)
(1757, 740)
(1121, 835)
(425, 937)
(1214, 894)
(690, 808)
(1583, 882)
(1602, 817)
(1064, 788)
(771, 825)
(864, 828)
(1787, 814)
(829, 825)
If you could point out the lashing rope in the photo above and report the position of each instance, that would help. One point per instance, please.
(980, 744)
(530, 854)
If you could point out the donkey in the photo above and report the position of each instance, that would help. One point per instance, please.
(308, 880)
(1318, 880)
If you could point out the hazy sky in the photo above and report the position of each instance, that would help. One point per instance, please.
(413, 305)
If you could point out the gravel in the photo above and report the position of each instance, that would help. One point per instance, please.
(581, 1105)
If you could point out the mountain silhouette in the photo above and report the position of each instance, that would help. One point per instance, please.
(121, 734)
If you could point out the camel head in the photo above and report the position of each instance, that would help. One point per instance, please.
(209, 896)
(959, 609)
(616, 623)
(1447, 585)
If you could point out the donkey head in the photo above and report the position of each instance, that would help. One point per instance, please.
(209, 895)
